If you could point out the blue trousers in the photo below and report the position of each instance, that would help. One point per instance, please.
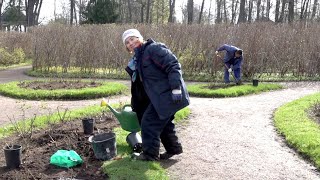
(154, 130)
(236, 70)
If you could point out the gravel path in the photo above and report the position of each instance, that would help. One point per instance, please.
(230, 138)
(234, 138)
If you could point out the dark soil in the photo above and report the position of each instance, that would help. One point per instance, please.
(63, 84)
(37, 150)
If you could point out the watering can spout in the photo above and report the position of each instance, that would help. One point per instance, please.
(127, 118)
(115, 112)
(104, 103)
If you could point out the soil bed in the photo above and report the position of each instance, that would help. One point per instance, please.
(52, 85)
(37, 150)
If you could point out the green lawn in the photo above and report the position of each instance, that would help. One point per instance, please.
(301, 132)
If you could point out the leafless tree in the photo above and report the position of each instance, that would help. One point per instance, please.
(1, 3)
(190, 11)
(291, 11)
(242, 13)
(201, 12)
(314, 9)
(148, 19)
(250, 11)
(33, 8)
(219, 16)
(234, 8)
(171, 10)
(258, 9)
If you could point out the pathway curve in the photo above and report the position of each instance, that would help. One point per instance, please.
(229, 138)
(13, 109)
(235, 138)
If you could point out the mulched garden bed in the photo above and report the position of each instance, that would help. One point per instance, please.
(68, 135)
(63, 84)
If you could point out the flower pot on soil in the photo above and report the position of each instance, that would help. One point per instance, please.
(255, 82)
(88, 124)
(104, 145)
(12, 155)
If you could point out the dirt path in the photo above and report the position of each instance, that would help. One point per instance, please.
(234, 138)
(14, 109)
(230, 138)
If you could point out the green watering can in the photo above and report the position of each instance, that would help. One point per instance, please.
(127, 118)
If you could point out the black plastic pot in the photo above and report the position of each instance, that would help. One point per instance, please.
(135, 141)
(255, 82)
(88, 125)
(12, 155)
(104, 145)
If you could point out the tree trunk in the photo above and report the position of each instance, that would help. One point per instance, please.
(268, 9)
(225, 11)
(281, 19)
(201, 12)
(277, 11)
(1, 3)
(190, 11)
(72, 4)
(149, 2)
(242, 13)
(234, 8)
(142, 12)
(314, 9)
(209, 15)
(129, 10)
(291, 11)
(250, 11)
(258, 9)
(171, 10)
(218, 18)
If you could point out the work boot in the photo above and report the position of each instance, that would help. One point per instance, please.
(143, 157)
(239, 82)
(168, 155)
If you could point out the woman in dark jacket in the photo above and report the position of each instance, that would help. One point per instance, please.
(158, 92)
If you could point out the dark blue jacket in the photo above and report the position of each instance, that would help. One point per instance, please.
(160, 73)
(229, 57)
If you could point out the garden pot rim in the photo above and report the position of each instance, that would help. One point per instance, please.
(12, 147)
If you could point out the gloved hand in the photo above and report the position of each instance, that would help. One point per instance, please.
(176, 95)
(217, 52)
(230, 70)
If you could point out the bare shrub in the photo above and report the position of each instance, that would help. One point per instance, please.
(272, 49)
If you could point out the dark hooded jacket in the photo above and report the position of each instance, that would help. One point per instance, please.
(160, 73)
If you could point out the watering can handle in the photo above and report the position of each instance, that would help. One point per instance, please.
(127, 105)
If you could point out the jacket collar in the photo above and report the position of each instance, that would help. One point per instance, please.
(141, 49)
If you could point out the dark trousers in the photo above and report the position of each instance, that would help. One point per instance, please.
(154, 130)
(235, 68)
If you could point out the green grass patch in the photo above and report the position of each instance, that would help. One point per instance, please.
(13, 90)
(28, 62)
(299, 130)
(204, 90)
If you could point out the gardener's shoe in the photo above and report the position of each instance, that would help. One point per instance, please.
(143, 157)
(167, 155)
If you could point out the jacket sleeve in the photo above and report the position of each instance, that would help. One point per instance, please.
(223, 47)
(167, 62)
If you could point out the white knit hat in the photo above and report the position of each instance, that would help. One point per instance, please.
(131, 32)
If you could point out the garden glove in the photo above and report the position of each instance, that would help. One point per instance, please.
(230, 70)
(176, 95)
